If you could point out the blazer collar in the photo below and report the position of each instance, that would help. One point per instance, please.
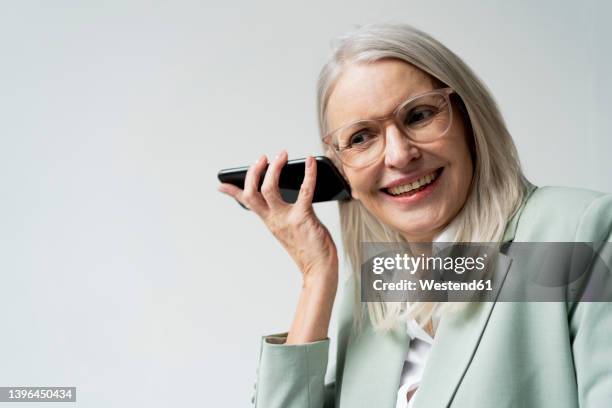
(510, 231)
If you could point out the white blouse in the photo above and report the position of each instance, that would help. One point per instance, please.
(420, 343)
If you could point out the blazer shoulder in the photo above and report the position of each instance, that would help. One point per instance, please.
(566, 214)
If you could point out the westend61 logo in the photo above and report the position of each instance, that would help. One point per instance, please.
(512, 272)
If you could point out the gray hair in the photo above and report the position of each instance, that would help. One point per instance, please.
(498, 185)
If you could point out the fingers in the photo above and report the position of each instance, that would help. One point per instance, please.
(230, 189)
(307, 189)
(270, 197)
(251, 196)
(269, 188)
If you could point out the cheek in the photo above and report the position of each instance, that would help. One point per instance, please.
(361, 182)
(353, 180)
(357, 185)
(463, 170)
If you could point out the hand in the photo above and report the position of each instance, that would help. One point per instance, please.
(296, 226)
(301, 233)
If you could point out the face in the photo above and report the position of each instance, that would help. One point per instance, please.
(439, 173)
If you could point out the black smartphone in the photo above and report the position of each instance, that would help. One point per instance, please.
(330, 183)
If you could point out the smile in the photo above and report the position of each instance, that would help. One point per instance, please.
(415, 186)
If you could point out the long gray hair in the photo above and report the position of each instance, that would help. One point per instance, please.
(498, 185)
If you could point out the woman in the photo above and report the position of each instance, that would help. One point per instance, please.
(428, 158)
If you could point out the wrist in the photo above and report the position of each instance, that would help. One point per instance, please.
(313, 314)
(320, 282)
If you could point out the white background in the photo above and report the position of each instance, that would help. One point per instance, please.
(123, 271)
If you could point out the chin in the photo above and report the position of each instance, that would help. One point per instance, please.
(420, 224)
(417, 226)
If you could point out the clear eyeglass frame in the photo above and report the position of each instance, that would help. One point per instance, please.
(396, 116)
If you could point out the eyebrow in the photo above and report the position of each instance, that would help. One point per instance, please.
(403, 100)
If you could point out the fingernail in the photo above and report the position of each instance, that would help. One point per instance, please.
(308, 162)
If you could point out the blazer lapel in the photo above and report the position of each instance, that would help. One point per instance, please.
(459, 333)
(456, 340)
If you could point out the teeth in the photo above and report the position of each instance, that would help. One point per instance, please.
(414, 185)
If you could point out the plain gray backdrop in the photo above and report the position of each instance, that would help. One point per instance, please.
(124, 272)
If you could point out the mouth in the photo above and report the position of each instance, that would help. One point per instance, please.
(414, 187)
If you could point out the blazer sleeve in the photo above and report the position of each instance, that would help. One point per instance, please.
(293, 376)
(590, 322)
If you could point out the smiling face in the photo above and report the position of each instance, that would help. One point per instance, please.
(436, 174)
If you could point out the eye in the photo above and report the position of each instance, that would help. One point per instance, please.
(360, 138)
(420, 115)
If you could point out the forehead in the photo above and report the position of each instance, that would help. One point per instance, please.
(372, 90)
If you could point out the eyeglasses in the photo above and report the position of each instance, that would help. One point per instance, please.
(423, 118)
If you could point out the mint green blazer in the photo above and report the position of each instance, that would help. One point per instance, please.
(553, 354)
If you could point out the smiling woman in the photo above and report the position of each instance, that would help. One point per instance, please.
(428, 158)
(465, 147)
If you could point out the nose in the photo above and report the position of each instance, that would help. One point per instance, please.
(399, 150)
